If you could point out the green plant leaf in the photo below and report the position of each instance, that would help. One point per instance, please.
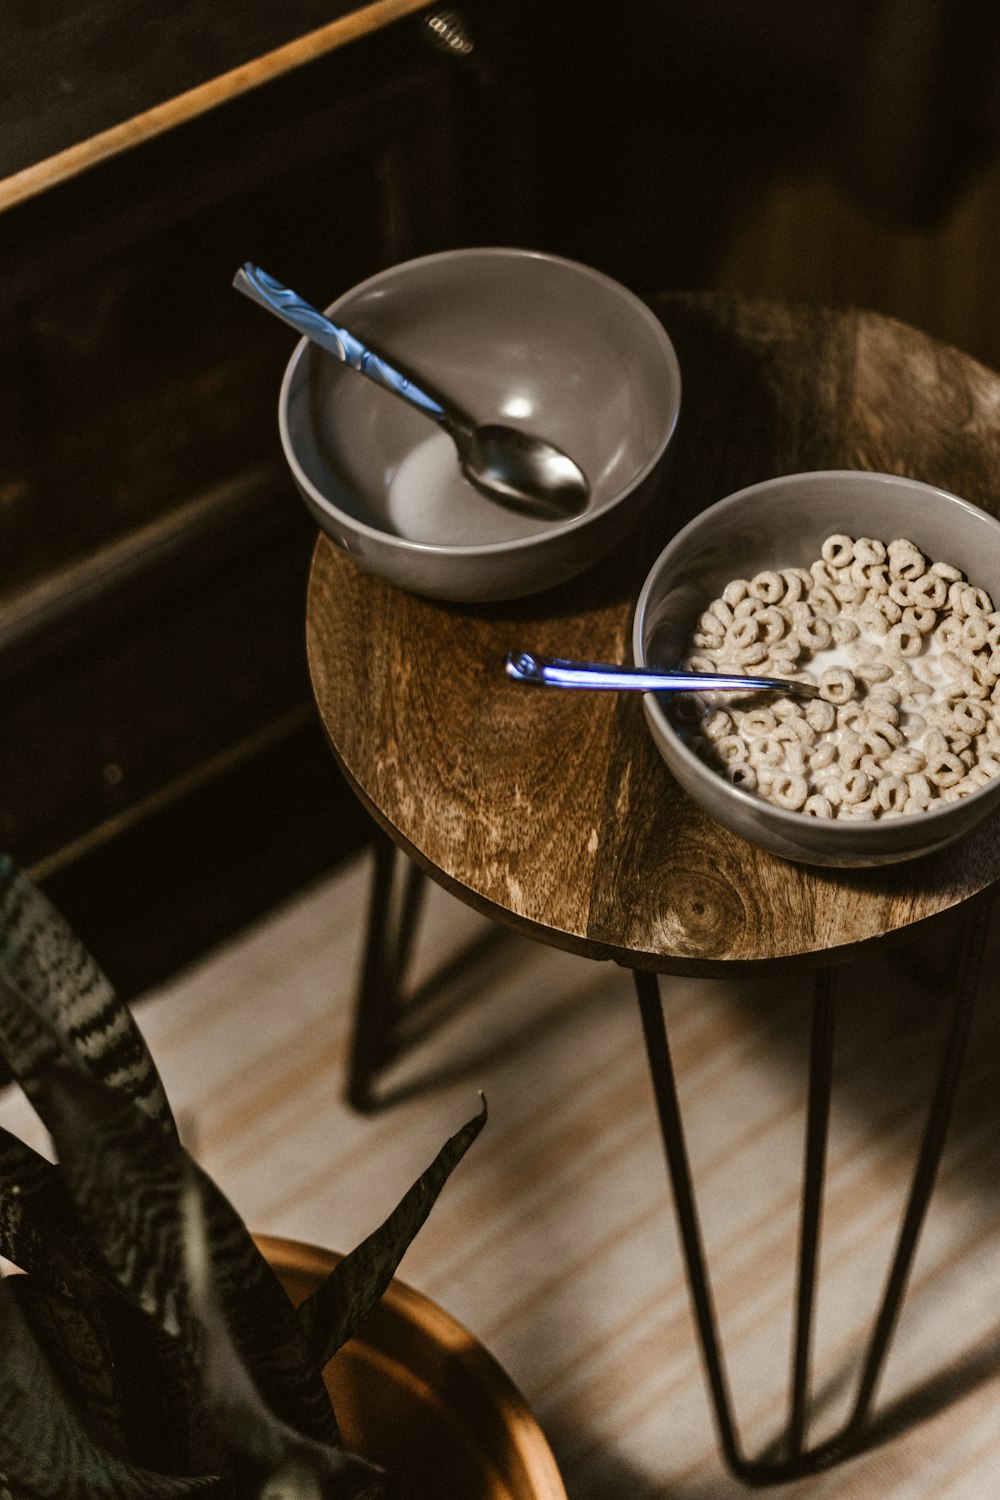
(74, 1340)
(334, 1312)
(269, 1457)
(39, 1230)
(45, 1451)
(48, 977)
(40, 1233)
(126, 1180)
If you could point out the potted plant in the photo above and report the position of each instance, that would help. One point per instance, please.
(151, 1349)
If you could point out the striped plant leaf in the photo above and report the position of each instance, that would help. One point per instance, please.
(40, 1233)
(126, 1181)
(333, 1313)
(74, 1339)
(39, 1229)
(46, 973)
(45, 1450)
(270, 1458)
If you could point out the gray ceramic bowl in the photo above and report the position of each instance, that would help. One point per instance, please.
(782, 523)
(513, 336)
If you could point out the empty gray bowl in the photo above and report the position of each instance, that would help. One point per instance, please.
(778, 524)
(514, 336)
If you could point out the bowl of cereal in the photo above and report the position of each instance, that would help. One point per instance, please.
(880, 590)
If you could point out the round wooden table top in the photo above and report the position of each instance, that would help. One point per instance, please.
(553, 811)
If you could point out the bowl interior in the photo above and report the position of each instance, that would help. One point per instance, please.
(514, 337)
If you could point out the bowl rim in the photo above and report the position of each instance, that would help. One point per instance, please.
(510, 544)
(784, 818)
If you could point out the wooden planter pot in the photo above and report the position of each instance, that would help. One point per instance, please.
(417, 1394)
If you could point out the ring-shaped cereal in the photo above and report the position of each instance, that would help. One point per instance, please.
(731, 749)
(824, 603)
(975, 686)
(887, 606)
(851, 716)
(742, 774)
(788, 649)
(838, 551)
(765, 750)
(818, 806)
(815, 633)
(804, 732)
(844, 630)
(709, 640)
(768, 587)
(773, 624)
(859, 811)
(797, 758)
(850, 750)
(944, 769)
(969, 716)
(929, 590)
(975, 631)
(871, 618)
(820, 715)
(870, 672)
(837, 685)
(823, 576)
(891, 793)
(822, 755)
(868, 549)
(905, 761)
(920, 789)
(906, 561)
(795, 585)
(921, 618)
(717, 724)
(904, 640)
(752, 656)
(757, 721)
(875, 744)
(789, 790)
(743, 632)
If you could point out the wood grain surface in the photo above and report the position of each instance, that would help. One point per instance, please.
(552, 811)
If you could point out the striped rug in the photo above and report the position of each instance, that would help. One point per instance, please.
(555, 1240)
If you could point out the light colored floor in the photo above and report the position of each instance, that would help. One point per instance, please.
(555, 1240)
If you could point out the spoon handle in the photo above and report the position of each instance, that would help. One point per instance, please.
(312, 324)
(554, 671)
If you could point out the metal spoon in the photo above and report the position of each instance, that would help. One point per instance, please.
(554, 671)
(524, 473)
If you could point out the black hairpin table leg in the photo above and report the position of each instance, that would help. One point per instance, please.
(389, 1015)
(796, 1458)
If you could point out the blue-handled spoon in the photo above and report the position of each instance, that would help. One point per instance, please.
(524, 473)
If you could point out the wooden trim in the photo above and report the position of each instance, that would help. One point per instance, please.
(31, 181)
(191, 781)
(33, 613)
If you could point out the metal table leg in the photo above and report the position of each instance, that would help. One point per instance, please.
(389, 1017)
(795, 1457)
